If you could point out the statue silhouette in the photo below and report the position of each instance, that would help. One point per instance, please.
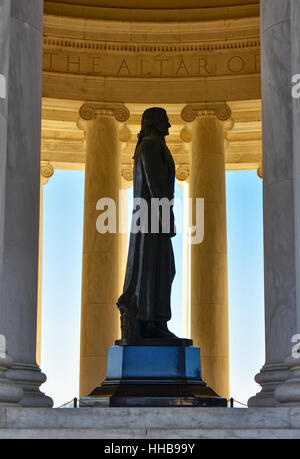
(145, 303)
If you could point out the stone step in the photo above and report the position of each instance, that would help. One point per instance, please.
(150, 423)
(155, 434)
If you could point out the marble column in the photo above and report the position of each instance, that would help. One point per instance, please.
(10, 392)
(209, 295)
(186, 262)
(183, 174)
(100, 324)
(126, 182)
(124, 185)
(280, 35)
(47, 171)
(20, 196)
(4, 67)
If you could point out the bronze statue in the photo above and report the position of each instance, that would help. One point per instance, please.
(148, 366)
(145, 303)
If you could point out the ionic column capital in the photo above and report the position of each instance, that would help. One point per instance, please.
(47, 171)
(127, 173)
(90, 110)
(219, 109)
(183, 173)
(260, 172)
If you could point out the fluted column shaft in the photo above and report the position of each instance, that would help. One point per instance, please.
(4, 71)
(209, 295)
(101, 252)
(10, 393)
(280, 35)
(124, 185)
(20, 169)
(186, 261)
(47, 172)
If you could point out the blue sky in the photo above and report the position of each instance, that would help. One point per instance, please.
(62, 257)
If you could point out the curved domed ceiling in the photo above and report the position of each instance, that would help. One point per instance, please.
(153, 10)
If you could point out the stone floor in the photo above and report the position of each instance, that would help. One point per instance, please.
(150, 423)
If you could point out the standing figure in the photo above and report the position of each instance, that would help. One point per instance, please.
(145, 303)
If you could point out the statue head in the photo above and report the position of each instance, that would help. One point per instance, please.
(155, 120)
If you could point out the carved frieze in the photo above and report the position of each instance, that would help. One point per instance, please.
(85, 57)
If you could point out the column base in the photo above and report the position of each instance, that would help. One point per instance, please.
(10, 393)
(153, 376)
(270, 377)
(29, 377)
(288, 393)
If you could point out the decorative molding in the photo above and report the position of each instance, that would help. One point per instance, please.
(142, 48)
(176, 60)
(181, 60)
(90, 110)
(183, 173)
(47, 171)
(260, 172)
(127, 173)
(220, 109)
(63, 143)
(228, 124)
(125, 134)
(186, 134)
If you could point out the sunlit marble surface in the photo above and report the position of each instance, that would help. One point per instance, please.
(150, 423)
(21, 33)
(281, 142)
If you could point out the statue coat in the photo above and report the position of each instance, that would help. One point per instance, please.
(150, 265)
